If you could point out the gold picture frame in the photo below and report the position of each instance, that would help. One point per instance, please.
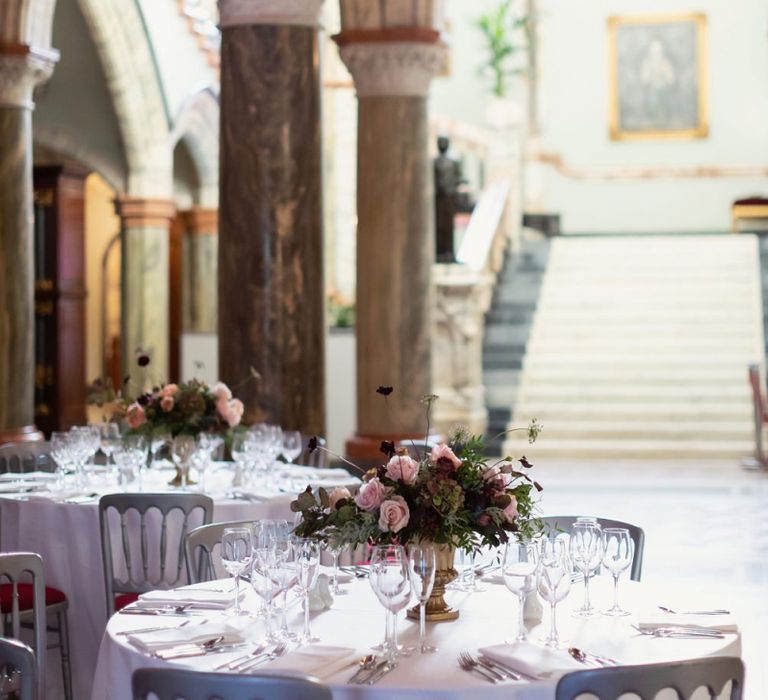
(658, 77)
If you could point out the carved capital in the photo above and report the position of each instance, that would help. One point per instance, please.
(200, 221)
(302, 13)
(393, 68)
(21, 69)
(144, 212)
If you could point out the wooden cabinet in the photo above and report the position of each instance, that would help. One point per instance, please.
(59, 297)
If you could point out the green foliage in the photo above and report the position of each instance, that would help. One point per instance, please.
(498, 28)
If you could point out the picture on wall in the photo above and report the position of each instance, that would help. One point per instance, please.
(658, 77)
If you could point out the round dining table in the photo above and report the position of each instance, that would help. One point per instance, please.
(355, 621)
(62, 526)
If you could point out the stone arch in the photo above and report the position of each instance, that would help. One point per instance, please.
(197, 126)
(123, 46)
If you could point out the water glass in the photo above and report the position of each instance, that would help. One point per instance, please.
(586, 553)
(110, 439)
(553, 581)
(519, 569)
(62, 454)
(335, 549)
(265, 584)
(618, 552)
(307, 553)
(422, 566)
(292, 445)
(390, 581)
(236, 557)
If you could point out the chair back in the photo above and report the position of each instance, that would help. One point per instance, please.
(21, 457)
(647, 680)
(17, 663)
(199, 546)
(565, 522)
(151, 553)
(182, 684)
(16, 568)
(316, 458)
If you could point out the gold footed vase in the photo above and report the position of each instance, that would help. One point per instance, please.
(437, 610)
(182, 449)
(178, 478)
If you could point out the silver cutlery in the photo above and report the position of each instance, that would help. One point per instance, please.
(681, 632)
(694, 612)
(234, 662)
(509, 672)
(380, 673)
(469, 659)
(276, 653)
(366, 663)
(469, 666)
(189, 649)
(144, 630)
(357, 571)
(586, 657)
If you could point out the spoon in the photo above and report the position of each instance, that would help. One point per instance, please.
(183, 650)
(585, 658)
(365, 664)
(694, 612)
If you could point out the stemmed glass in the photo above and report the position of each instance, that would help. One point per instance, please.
(586, 553)
(618, 552)
(518, 570)
(391, 583)
(110, 439)
(61, 453)
(335, 549)
(422, 565)
(292, 445)
(286, 576)
(160, 438)
(554, 581)
(307, 553)
(236, 557)
(264, 583)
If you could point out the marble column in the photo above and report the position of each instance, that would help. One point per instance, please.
(145, 224)
(199, 272)
(271, 292)
(395, 233)
(21, 68)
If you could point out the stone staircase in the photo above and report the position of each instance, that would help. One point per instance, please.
(639, 348)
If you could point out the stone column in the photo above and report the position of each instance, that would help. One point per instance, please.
(145, 224)
(21, 68)
(392, 70)
(271, 293)
(199, 272)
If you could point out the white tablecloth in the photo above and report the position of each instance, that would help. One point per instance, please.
(488, 617)
(66, 535)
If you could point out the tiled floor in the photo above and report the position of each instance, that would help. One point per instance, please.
(706, 523)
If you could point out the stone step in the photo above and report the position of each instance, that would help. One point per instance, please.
(638, 411)
(574, 361)
(655, 376)
(680, 429)
(630, 393)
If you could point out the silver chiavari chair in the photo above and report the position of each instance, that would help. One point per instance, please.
(19, 672)
(199, 548)
(22, 457)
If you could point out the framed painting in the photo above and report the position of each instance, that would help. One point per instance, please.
(658, 77)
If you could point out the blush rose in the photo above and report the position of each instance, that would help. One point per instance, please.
(371, 495)
(135, 416)
(394, 514)
(402, 467)
(443, 454)
(338, 494)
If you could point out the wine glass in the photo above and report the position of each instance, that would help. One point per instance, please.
(618, 552)
(391, 583)
(553, 581)
(236, 557)
(422, 566)
(263, 534)
(110, 439)
(586, 553)
(160, 438)
(292, 445)
(307, 553)
(518, 570)
(286, 575)
(335, 548)
(264, 583)
(61, 453)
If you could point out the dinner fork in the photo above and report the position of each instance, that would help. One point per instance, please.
(497, 673)
(241, 659)
(694, 612)
(471, 665)
(277, 652)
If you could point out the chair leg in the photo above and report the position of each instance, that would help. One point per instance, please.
(66, 669)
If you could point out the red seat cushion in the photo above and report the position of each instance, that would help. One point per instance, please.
(26, 596)
(124, 599)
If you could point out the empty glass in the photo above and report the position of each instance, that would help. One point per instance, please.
(553, 581)
(236, 557)
(110, 439)
(518, 570)
(265, 584)
(160, 438)
(292, 445)
(618, 552)
(586, 553)
(335, 550)
(61, 453)
(422, 565)
(307, 553)
(391, 583)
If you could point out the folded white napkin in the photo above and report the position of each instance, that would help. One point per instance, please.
(197, 597)
(313, 474)
(28, 476)
(21, 486)
(252, 496)
(532, 660)
(316, 660)
(341, 577)
(166, 639)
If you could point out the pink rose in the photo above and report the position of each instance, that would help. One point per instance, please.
(338, 494)
(483, 519)
(135, 416)
(169, 390)
(371, 495)
(443, 454)
(234, 412)
(394, 514)
(511, 510)
(221, 391)
(404, 468)
(167, 403)
(496, 478)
